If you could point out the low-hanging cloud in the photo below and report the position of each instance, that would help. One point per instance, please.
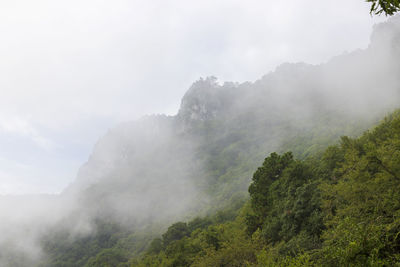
(77, 68)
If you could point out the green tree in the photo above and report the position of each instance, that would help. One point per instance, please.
(175, 232)
(285, 200)
(109, 258)
(388, 7)
(362, 207)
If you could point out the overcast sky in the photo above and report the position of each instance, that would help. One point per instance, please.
(70, 70)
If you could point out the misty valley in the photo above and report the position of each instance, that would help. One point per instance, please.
(298, 168)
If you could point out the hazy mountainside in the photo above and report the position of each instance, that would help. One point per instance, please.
(146, 174)
(218, 127)
(139, 168)
(341, 208)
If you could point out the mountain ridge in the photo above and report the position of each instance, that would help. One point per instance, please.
(146, 174)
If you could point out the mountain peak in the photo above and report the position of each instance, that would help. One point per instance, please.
(201, 102)
(386, 34)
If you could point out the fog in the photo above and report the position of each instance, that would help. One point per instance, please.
(70, 71)
(163, 168)
(140, 173)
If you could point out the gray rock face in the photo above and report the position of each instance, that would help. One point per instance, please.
(203, 101)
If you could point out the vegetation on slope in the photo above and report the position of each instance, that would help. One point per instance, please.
(340, 209)
(143, 176)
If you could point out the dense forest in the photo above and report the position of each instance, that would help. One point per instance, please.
(299, 168)
(338, 208)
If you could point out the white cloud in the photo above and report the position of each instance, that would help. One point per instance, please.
(19, 178)
(23, 128)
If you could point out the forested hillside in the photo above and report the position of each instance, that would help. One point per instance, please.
(187, 190)
(337, 209)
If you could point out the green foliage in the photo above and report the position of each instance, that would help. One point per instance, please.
(109, 258)
(343, 199)
(388, 7)
(270, 259)
(67, 253)
(341, 209)
(363, 207)
(286, 204)
(155, 246)
(110, 242)
(175, 232)
(338, 208)
(334, 209)
(210, 242)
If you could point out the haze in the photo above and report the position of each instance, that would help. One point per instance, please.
(71, 70)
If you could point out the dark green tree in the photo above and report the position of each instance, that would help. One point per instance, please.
(109, 258)
(388, 7)
(175, 232)
(285, 201)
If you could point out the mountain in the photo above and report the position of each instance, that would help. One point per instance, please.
(144, 175)
(225, 130)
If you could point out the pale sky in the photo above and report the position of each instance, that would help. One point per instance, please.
(70, 70)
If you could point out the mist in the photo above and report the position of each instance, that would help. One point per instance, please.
(163, 168)
(70, 71)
